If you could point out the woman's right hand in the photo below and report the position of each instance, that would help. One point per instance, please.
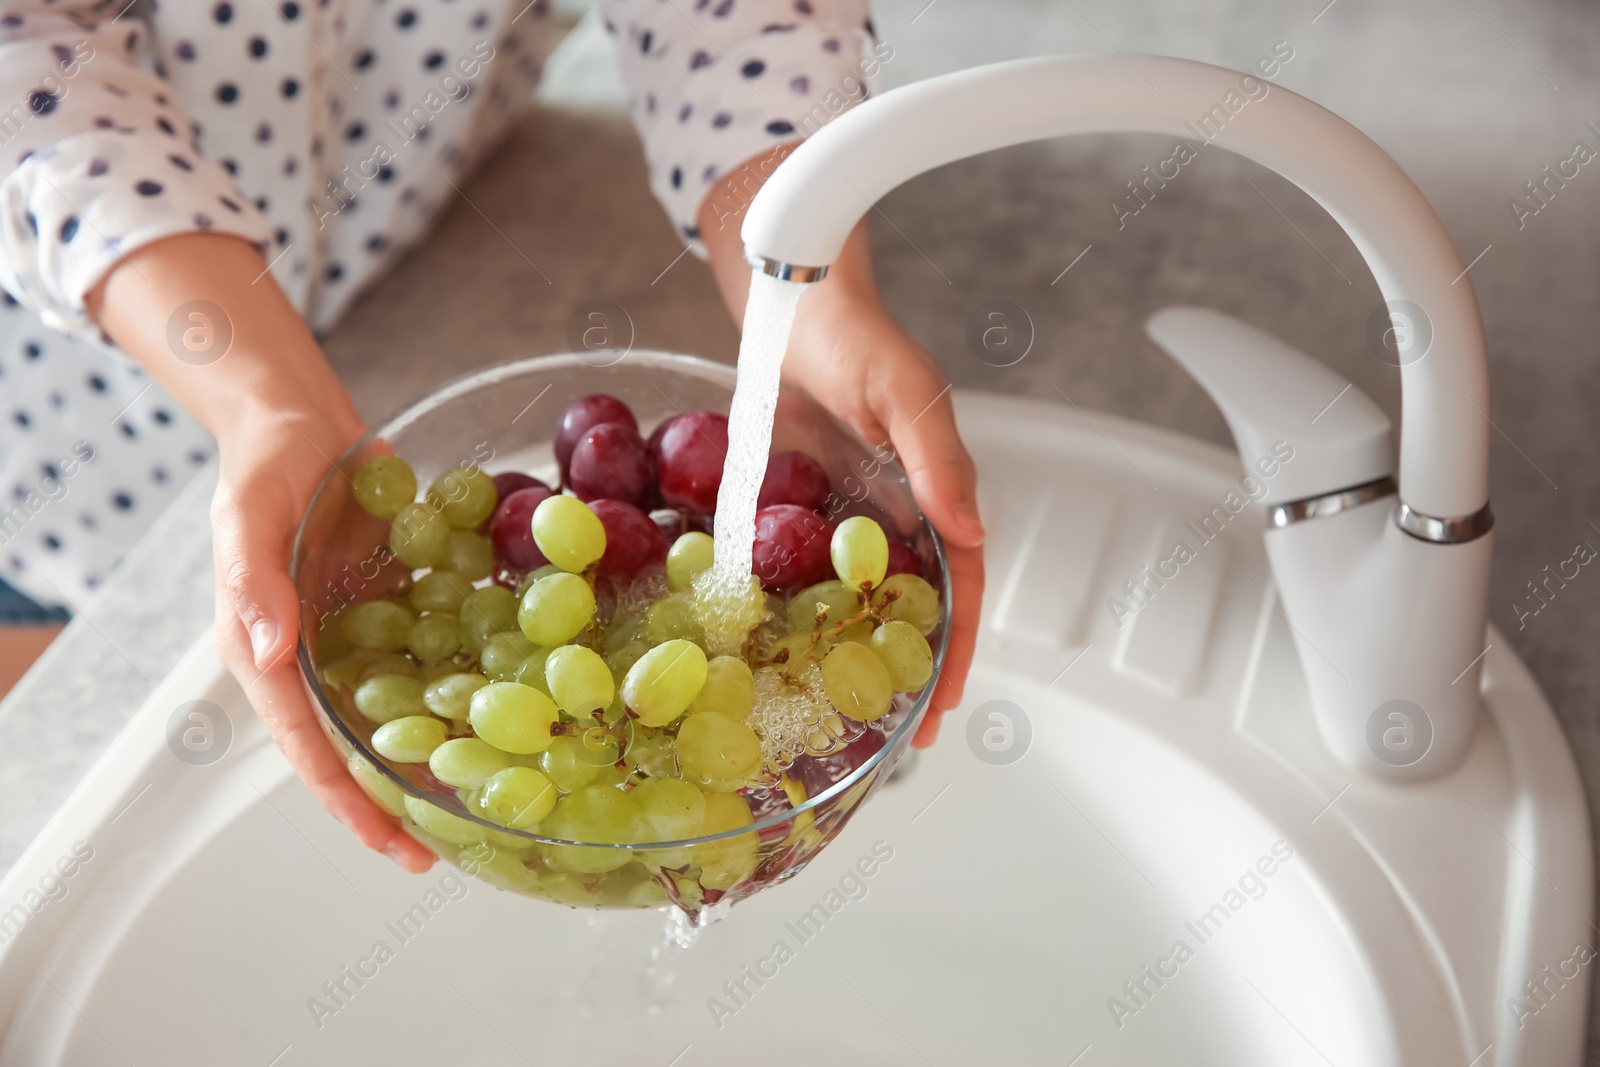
(281, 419)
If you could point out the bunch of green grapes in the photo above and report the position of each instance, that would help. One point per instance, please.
(587, 710)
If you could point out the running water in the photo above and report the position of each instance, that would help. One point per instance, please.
(730, 599)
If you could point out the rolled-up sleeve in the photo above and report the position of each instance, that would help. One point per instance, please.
(96, 159)
(713, 83)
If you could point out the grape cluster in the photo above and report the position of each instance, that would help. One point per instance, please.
(546, 662)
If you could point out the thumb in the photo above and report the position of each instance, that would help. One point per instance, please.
(252, 558)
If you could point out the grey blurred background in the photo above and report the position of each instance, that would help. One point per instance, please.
(1473, 97)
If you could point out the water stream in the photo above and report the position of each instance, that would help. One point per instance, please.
(729, 594)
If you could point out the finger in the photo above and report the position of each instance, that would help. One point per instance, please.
(279, 697)
(966, 581)
(253, 586)
(921, 423)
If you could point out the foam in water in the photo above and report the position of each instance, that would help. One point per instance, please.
(730, 599)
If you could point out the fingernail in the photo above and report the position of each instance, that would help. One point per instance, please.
(263, 636)
(393, 852)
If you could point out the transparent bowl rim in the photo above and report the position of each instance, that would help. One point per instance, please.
(671, 363)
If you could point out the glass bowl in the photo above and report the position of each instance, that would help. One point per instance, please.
(504, 418)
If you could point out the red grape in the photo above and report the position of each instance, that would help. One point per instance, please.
(609, 462)
(791, 548)
(508, 482)
(670, 522)
(818, 773)
(693, 450)
(794, 478)
(654, 443)
(511, 529)
(634, 543)
(582, 415)
(903, 559)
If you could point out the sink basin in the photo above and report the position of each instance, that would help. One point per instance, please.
(1129, 847)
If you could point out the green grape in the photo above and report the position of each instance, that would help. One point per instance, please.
(652, 754)
(661, 685)
(467, 762)
(622, 660)
(385, 485)
(329, 642)
(689, 555)
(649, 894)
(905, 654)
(860, 552)
(624, 627)
(384, 793)
(597, 814)
(567, 765)
(378, 624)
(837, 599)
(450, 696)
(390, 696)
(726, 862)
(419, 535)
(670, 809)
(503, 654)
(438, 668)
(568, 533)
(672, 617)
(730, 689)
(531, 671)
(468, 554)
(533, 576)
(390, 663)
(556, 608)
(793, 653)
(857, 682)
(465, 496)
(410, 739)
(518, 797)
(513, 717)
(442, 591)
(579, 680)
(486, 612)
(442, 824)
(499, 865)
(434, 636)
(909, 599)
(712, 747)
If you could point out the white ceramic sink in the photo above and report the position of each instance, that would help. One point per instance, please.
(1171, 761)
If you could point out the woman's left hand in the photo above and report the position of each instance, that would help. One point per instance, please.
(849, 353)
(855, 359)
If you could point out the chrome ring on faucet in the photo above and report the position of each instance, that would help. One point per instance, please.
(1452, 530)
(1320, 507)
(787, 272)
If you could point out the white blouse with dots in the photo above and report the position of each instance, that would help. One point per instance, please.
(329, 132)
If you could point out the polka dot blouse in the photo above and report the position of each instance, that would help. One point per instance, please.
(328, 133)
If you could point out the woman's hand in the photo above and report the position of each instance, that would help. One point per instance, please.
(281, 419)
(849, 353)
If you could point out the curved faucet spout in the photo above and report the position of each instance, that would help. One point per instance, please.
(1385, 612)
(803, 214)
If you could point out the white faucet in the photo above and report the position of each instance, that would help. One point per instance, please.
(1387, 600)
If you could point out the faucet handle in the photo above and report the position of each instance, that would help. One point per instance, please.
(1271, 392)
